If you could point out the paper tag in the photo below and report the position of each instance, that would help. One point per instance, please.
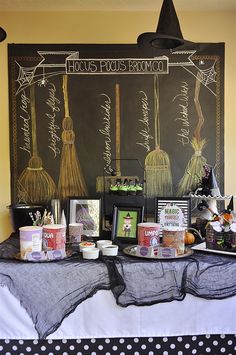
(56, 254)
(166, 252)
(151, 251)
(144, 251)
(36, 256)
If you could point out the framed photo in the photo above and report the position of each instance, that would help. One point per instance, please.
(87, 211)
(173, 211)
(125, 221)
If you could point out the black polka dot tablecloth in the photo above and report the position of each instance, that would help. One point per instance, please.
(181, 345)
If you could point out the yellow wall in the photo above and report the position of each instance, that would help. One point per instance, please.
(112, 27)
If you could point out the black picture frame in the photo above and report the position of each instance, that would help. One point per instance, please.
(184, 203)
(86, 210)
(125, 223)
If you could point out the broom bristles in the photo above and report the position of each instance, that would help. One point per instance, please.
(71, 182)
(194, 170)
(158, 174)
(37, 184)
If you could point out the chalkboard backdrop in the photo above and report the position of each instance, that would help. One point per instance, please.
(79, 111)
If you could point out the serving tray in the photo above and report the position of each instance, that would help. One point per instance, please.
(131, 251)
(69, 253)
(202, 247)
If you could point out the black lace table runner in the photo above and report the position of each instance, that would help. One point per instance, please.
(145, 282)
(50, 291)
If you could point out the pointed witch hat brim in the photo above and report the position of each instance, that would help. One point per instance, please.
(168, 34)
(128, 216)
(3, 34)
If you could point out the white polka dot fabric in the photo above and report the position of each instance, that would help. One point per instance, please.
(186, 345)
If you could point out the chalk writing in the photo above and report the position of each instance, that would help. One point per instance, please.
(25, 118)
(106, 131)
(144, 132)
(121, 66)
(183, 102)
(53, 103)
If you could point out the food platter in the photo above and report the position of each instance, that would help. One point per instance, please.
(131, 251)
(202, 247)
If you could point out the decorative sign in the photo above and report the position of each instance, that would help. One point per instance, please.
(172, 215)
(174, 212)
(157, 65)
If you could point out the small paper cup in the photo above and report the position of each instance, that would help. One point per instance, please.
(101, 243)
(110, 250)
(90, 253)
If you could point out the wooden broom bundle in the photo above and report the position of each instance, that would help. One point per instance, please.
(71, 181)
(195, 167)
(157, 162)
(36, 183)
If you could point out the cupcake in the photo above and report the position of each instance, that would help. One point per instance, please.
(123, 190)
(139, 189)
(114, 190)
(132, 190)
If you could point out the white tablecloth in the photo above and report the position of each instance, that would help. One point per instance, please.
(100, 317)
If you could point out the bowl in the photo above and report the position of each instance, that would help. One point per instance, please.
(90, 253)
(83, 245)
(110, 250)
(101, 243)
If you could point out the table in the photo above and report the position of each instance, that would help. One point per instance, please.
(100, 317)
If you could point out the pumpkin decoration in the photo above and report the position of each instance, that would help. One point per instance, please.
(189, 238)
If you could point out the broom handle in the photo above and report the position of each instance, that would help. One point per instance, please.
(33, 120)
(117, 95)
(65, 94)
(156, 111)
(197, 131)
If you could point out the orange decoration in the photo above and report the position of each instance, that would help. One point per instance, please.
(189, 238)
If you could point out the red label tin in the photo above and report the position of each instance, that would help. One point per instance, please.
(148, 234)
(54, 236)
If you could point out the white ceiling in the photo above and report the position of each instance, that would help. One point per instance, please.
(114, 5)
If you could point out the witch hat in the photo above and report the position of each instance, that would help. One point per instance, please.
(215, 191)
(3, 34)
(128, 216)
(168, 34)
(230, 206)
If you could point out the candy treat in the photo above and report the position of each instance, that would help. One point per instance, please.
(132, 189)
(114, 189)
(123, 189)
(139, 189)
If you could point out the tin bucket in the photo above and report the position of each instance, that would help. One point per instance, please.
(173, 237)
(148, 234)
(30, 240)
(54, 237)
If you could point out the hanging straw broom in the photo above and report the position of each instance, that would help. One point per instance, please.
(195, 167)
(35, 182)
(157, 162)
(71, 181)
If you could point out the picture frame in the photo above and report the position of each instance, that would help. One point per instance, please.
(125, 223)
(178, 216)
(88, 211)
